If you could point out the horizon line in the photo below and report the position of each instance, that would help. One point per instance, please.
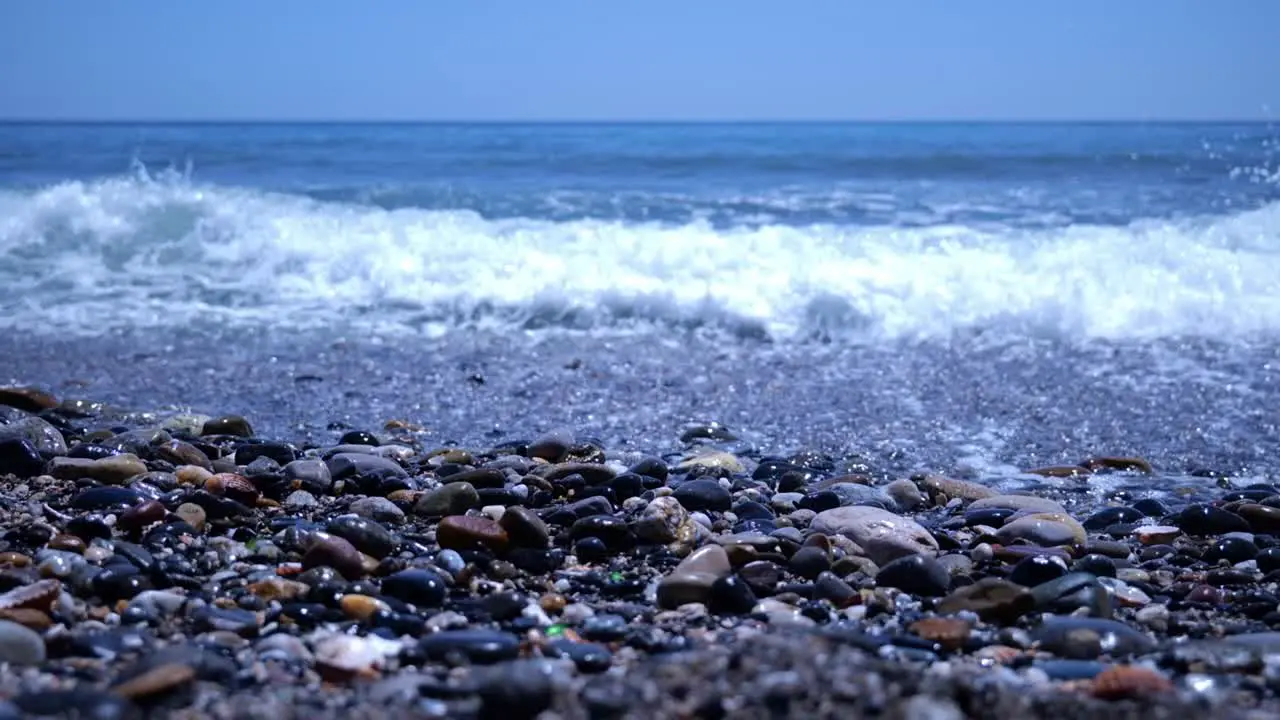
(641, 121)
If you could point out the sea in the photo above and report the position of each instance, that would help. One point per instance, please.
(971, 298)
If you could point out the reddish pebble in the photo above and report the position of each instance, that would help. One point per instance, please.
(464, 532)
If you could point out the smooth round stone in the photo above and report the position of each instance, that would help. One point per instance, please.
(1095, 564)
(377, 509)
(1209, 520)
(588, 657)
(91, 451)
(450, 499)
(228, 425)
(731, 595)
(591, 550)
(20, 645)
(552, 446)
(481, 647)
(692, 579)
(1232, 549)
(364, 469)
(751, 510)
(915, 574)
(1150, 507)
(300, 500)
(988, 516)
(106, 498)
(1045, 529)
(89, 527)
(46, 438)
(703, 494)
(327, 550)
(1037, 569)
(809, 562)
(1106, 517)
(992, 599)
(1156, 535)
(358, 437)
(480, 478)
(1261, 518)
(19, 456)
(1268, 560)
(119, 582)
(466, 532)
(310, 474)
(524, 528)
(416, 586)
(450, 561)
(281, 453)
(1071, 669)
(1063, 636)
(819, 501)
(1029, 503)
(829, 586)
(762, 576)
(883, 535)
(613, 531)
(366, 535)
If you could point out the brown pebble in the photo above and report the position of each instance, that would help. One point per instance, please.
(1118, 463)
(949, 632)
(193, 515)
(465, 532)
(332, 551)
(361, 607)
(156, 681)
(28, 399)
(28, 617)
(552, 603)
(192, 475)
(279, 589)
(14, 559)
(236, 487)
(142, 515)
(183, 453)
(67, 543)
(40, 595)
(1126, 681)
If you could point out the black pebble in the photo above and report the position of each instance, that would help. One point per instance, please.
(703, 494)
(1036, 569)
(915, 574)
(1232, 549)
(18, 456)
(358, 437)
(731, 596)
(809, 562)
(416, 586)
(1094, 564)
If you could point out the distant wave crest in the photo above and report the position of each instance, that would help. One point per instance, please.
(141, 252)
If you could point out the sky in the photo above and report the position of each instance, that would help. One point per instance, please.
(639, 60)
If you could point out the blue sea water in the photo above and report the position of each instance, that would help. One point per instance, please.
(865, 230)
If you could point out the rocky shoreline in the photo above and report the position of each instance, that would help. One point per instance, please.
(179, 565)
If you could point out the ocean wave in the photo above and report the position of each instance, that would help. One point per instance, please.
(83, 257)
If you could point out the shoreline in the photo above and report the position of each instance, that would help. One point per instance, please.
(184, 564)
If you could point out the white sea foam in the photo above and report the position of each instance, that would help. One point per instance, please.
(83, 256)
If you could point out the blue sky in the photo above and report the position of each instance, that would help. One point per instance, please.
(629, 60)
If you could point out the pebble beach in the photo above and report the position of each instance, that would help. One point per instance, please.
(187, 564)
(588, 421)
